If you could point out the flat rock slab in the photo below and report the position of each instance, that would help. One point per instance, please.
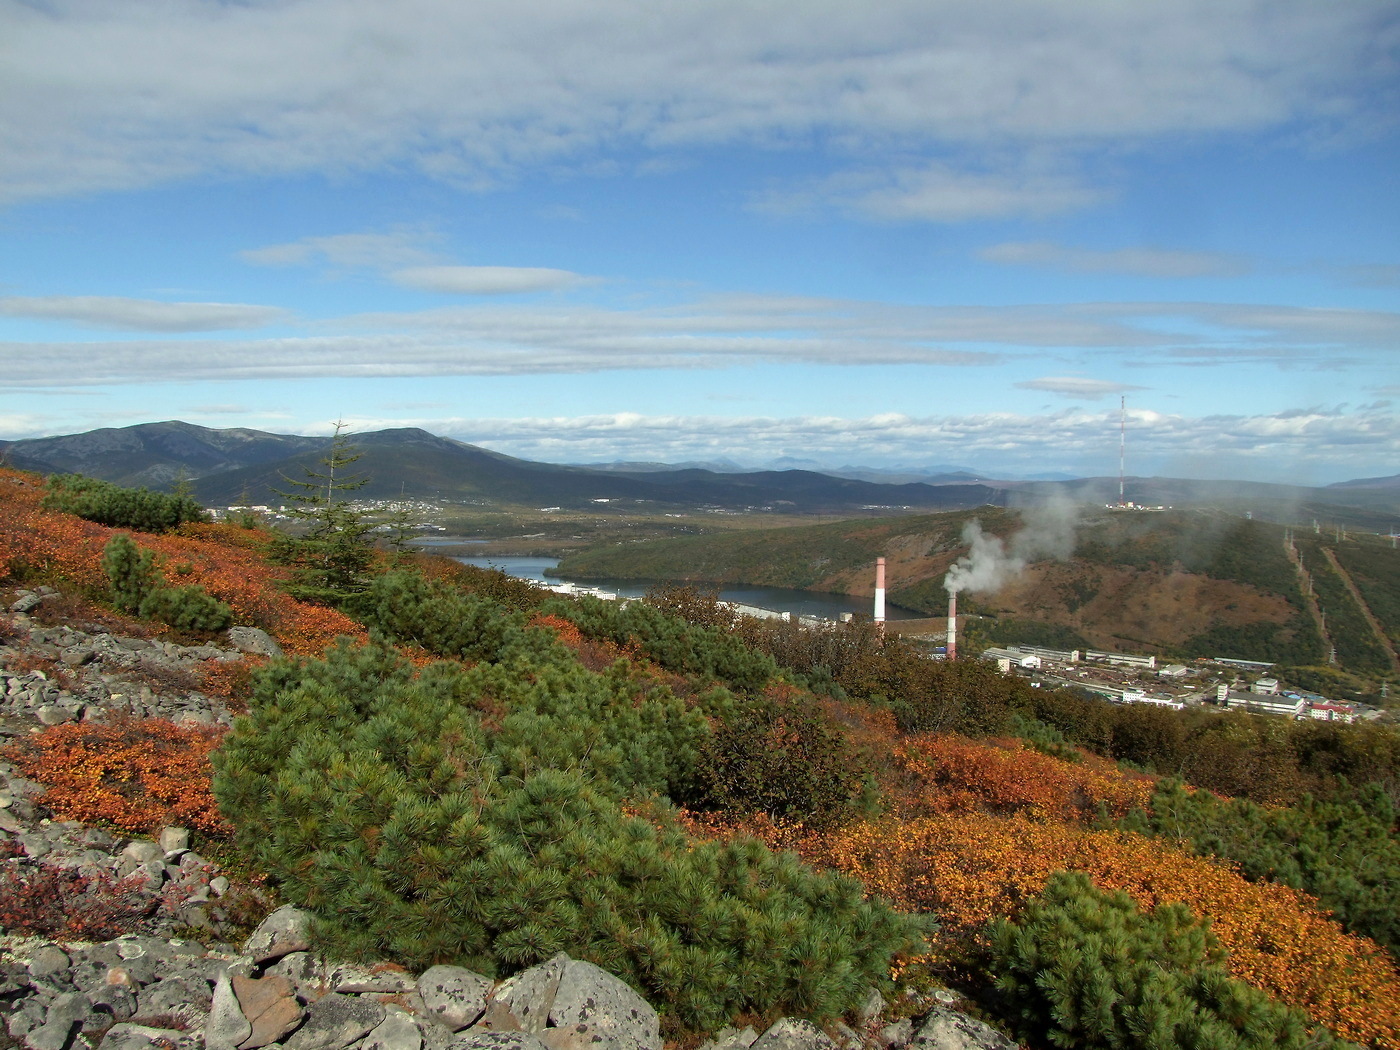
(271, 1007)
(139, 1037)
(615, 1017)
(359, 980)
(946, 1029)
(793, 1034)
(336, 1021)
(453, 995)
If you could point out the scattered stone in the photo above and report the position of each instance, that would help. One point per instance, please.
(51, 1035)
(253, 640)
(396, 1032)
(48, 959)
(139, 1037)
(351, 979)
(594, 1003)
(226, 1026)
(475, 1040)
(172, 839)
(143, 851)
(896, 1034)
(271, 1007)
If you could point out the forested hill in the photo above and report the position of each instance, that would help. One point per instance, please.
(1193, 582)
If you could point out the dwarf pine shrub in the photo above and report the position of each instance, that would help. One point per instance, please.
(663, 636)
(782, 755)
(187, 608)
(137, 588)
(118, 507)
(485, 816)
(1084, 968)
(131, 572)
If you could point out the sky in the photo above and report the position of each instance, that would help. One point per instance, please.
(980, 234)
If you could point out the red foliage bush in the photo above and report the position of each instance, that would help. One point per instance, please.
(48, 901)
(139, 775)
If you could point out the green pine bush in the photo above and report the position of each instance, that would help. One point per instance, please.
(1343, 851)
(137, 588)
(118, 507)
(131, 572)
(1084, 968)
(494, 815)
(783, 756)
(188, 608)
(665, 637)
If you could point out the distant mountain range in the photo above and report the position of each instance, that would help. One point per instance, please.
(247, 466)
(238, 465)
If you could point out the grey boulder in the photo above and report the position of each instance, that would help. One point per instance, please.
(946, 1029)
(453, 995)
(594, 1008)
(336, 1021)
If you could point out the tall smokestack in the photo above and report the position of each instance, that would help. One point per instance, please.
(880, 590)
(952, 625)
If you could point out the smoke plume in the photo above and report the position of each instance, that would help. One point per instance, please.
(991, 562)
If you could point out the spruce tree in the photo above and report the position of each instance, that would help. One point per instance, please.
(331, 555)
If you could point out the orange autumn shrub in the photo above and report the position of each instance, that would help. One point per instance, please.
(970, 868)
(225, 560)
(139, 775)
(46, 541)
(955, 774)
(565, 630)
(596, 654)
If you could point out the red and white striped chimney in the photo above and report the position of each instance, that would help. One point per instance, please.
(879, 590)
(952, 625)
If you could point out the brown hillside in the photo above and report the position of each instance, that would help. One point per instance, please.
(1114, 606)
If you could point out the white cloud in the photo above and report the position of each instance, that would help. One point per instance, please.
(110, 96)
(935, 193)
(142, 315)
(349, 250)
(1077, 388)
(1077, 441)
(1375, 275)
(484, 280)
(1138, 262)
(555, 338)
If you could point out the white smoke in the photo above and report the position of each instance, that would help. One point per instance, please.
(991, 562)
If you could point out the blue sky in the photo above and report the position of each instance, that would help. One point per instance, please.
(911, 233)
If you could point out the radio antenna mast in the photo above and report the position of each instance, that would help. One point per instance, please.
(1122, 442)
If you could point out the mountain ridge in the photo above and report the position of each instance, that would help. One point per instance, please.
(234, 465)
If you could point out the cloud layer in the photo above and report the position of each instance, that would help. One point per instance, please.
(97, 96)
(1137, 262)
(718, 332)
(1075, 440)
(140, 315)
